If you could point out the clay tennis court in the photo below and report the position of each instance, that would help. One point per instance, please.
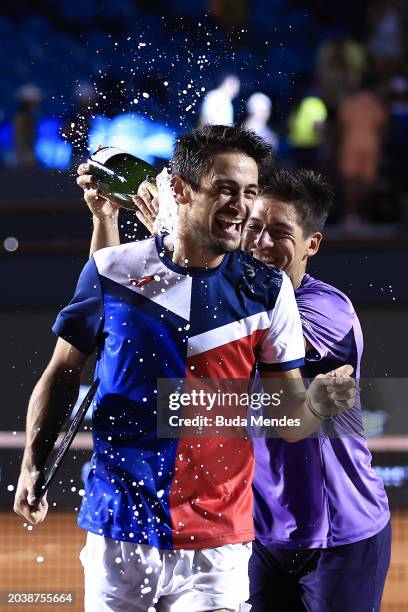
(45, 559)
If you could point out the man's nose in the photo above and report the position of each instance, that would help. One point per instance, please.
(263, 240)
(239, 204)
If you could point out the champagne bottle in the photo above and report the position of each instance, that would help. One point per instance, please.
(118, 174)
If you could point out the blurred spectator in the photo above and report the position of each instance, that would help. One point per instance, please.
(259, 108)
(386, 38)
(229, 12)
(306, 124)
(361, 119)
(25, 124)
(340, 66)
(217, 106)
(397, 134)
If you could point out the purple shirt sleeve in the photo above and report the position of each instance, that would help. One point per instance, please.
(80, 323)
(328, 319)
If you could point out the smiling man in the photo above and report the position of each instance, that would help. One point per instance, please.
(321, 513)
(214, 203)
(169, 521)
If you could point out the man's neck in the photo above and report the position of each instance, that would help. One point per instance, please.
(297, 278)
(185, 254)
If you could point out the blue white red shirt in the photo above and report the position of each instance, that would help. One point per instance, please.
(149, 318)
(322, 491)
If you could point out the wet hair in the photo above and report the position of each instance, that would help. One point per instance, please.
(308, 192)
(194, 152)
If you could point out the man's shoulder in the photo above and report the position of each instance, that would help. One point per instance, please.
(317, 287)
(329, 322)
(259, 281)
(257, 271)
(122, 254)
(316, 298)
(121, 250)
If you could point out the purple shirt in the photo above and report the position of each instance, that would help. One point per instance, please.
(322, 491)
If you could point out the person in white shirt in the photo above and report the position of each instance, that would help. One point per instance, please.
(259, 108)
(217, 106)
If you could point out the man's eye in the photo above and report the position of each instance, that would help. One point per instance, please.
(250, 195)
(252, 227)
(281, 235)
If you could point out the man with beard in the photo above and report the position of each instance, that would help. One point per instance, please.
(321, 513)
(169, 520)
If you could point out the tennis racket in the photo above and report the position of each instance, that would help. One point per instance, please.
(67, 440)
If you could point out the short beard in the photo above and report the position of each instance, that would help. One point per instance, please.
(217, 246)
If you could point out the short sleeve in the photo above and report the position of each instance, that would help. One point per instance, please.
(327, 319)
(81, 322)
(282, 348)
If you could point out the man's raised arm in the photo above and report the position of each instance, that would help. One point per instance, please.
(105, 212)
(51, 402)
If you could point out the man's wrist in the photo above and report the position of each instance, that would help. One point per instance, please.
(106, 219)
(316, 413)
(35, 456)
(32, 466)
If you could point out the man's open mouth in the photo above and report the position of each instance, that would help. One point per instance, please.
(229, 225)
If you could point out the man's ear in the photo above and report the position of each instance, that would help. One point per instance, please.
(181, 190)
(313, 244)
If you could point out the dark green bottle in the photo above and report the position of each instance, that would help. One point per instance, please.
(118, 174)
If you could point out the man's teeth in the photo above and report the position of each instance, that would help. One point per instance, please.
(263, 259)
(228, 224)
(229, 220)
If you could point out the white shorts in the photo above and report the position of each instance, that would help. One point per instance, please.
(123, 576)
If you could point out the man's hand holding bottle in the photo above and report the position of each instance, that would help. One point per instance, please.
(104, 197)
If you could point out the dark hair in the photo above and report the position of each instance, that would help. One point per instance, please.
(194, 152)
(308, 192)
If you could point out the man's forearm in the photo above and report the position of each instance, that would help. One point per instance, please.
(295, 406)
(308, 423)
(105, 232)
(51, 402)
(326, 396)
